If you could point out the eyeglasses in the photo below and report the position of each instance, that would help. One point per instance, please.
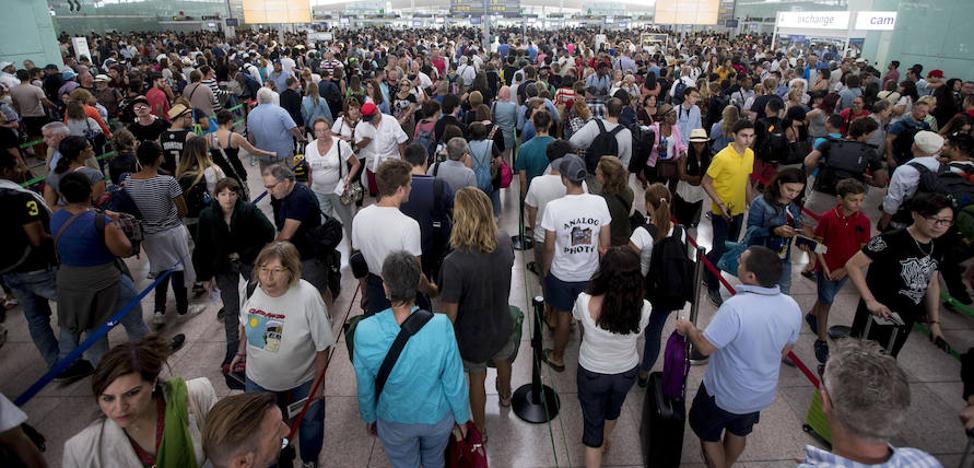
(271, 187)
(139, 107)
(941, 222)
(273, 271)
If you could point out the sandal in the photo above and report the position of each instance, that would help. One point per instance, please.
(504, 401)
(545, 356)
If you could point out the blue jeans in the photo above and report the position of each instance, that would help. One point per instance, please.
(652, 336)
(34, 289)
(311, 433)
(785, 282)
(412, 445)
(68, 341)
(134, 324)
(495, 201)
(723, 231)
(228, 281)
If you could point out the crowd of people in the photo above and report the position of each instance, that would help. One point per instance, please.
(401, 144)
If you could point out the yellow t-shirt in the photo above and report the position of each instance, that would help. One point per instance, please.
(730, 171)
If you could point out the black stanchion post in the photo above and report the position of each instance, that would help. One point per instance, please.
(695, 357)
(535, 402)
(521, 241)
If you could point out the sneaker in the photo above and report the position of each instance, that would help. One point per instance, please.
(158, 318)
(176, 343)
(309, 465)
(79, 370)
(812, 322)
(220, 313)
(821, 351)
(714, 295)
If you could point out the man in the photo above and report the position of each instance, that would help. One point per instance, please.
(430, 201)
(157, 96)
(29, 102)
(545, 188)
(747, 339)
(174, 139)
(111, 97)
(851, 91)
(744, 92)
(53, 133)
(209, 79)
(381, 137)
(7, 75)
(291, 101)
(598, 83)
(451, 109)
(454, 171)
(905, 180)
(279, 76)
(852, 150)
(858, 110)
(271, 128)
(532, 159)
(14, 442)
(576, 233)
(147, 126)
(329, 64)
(530, 76)
(901, 134)
(881, 112)
(687, 115)
(584, 137)
(892, 73)
(382, 228)
(296, 213)
(466, 73)
(865, 398)
(199, 95)
(244, 431)
(52, 82)
(727, 183)
(626, 63)
(761, 102)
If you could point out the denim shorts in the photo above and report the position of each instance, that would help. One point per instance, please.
(828, 289)
(708, 421)
(601, 397)
(562, 294)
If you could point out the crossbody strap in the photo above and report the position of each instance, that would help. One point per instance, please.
(412, 325)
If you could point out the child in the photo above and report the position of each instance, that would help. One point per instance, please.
(844, 230)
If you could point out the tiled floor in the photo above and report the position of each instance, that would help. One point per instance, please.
(61, 411)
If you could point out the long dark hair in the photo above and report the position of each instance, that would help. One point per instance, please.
(791, 175)
(620, 282)
(70, 149)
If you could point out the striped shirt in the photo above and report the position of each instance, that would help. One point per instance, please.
(154, 198)
(902, 457)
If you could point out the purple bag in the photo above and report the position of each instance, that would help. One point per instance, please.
(676, 366)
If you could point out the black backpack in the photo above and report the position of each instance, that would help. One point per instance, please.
(903, 143)
(957, 187)
(774, 148)
(845, 159)
(604, 144)
(642, 146)
(679, 89)
(196, 195)
(669, 282)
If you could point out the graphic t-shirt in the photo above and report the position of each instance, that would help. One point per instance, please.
(172, 142)
(901, 271)
(18, 209)
(576, 221)
(283, 335)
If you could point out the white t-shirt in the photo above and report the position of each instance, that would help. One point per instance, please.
(543, 189)
(385, 140)
(602, 351)
(342, 128)
(378, 231)
(326, 169)
(576, 221)
(283, 335)
(10, 415)
(212, 175)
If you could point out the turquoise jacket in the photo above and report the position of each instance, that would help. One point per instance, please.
(427, 380)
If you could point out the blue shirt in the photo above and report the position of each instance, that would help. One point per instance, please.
(820, 140)
(901, 458)
(750, 331)
(80, 245)
(420, 206)
(271, 127)
(280, 79)
(687, 120)
(427, 380)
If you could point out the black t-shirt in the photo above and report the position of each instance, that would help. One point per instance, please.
(173, 141)
(8, 139)
(761, 102)
(420, 207)
(148, 132)
(901, 271)
(441, 124)
(300, 205)
(19, 209)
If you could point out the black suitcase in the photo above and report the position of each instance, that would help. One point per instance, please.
(662, 426)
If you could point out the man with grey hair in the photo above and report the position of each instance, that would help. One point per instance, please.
(865, 397)
(53, 133)
(270, 127)
(454, 170)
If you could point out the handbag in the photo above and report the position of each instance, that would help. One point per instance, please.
(731, 258)
(353, 193)
(667, 169)
(466, 452)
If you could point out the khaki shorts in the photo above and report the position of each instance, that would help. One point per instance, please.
(481, 367)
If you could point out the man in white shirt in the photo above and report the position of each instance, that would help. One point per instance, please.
(586, 135)
(905, 180)
(576, 233)
(381, 228)
(380, 137)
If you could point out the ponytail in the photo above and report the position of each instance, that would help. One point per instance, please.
(658, 198)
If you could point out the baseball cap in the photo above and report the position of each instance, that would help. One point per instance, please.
(102, 78)
(369, 110)
(935, 74)
(572, 168)
(177, 111)
(66, 75)
(928, 142)
(139, 99)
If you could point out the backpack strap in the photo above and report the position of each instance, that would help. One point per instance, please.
(601, 125)
(436, 169)
(251, 287)
(409, 327)
(64, 227)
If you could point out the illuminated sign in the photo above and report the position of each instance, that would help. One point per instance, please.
(276, 11)
(814, 19)
(687, 11)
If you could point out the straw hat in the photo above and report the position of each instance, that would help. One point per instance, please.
(699, 135)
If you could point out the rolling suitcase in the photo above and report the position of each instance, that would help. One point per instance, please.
(664, 408)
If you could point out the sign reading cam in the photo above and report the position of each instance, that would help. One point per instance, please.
(875, 20)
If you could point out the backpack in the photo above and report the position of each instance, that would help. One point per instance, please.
(845, 159)
(956, 186)
(903, 143)
(425, 135)
(643, 140)
(774, 148)
(130, 226)
(604, 144)
(669, 282)
(678, 91)
(196, 195)
(481, 168)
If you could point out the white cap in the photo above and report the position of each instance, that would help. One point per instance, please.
(929, 143)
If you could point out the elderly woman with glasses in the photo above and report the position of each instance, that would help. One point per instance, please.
(284, 337)
(333, 166)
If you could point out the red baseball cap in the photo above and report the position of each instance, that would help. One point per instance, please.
(935, 74)
(368, 111)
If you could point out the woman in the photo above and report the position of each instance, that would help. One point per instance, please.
(75, 150)
(313, 107)
(197, 175)
(475, 284)
(231, 233)
(160, 200)
(87, 245)
(612, 313)
(577, 118)
(374, 95)
(332, 167)
(147, 421)
(81, 125)
(404, 106)
(668, 148)
(774, 219)
(355, 89)
(908, 96)
(688, 202)
(226, 144)
(614, 180)
(647, 113)
(903, 274)
(413, 431)
(817, 116)
(124, 162)
(822, 83)
(959, 123)
(503, 112)
(344, 129)
(485, 158)
(721, 133)
(284, 339)
(947, 105)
